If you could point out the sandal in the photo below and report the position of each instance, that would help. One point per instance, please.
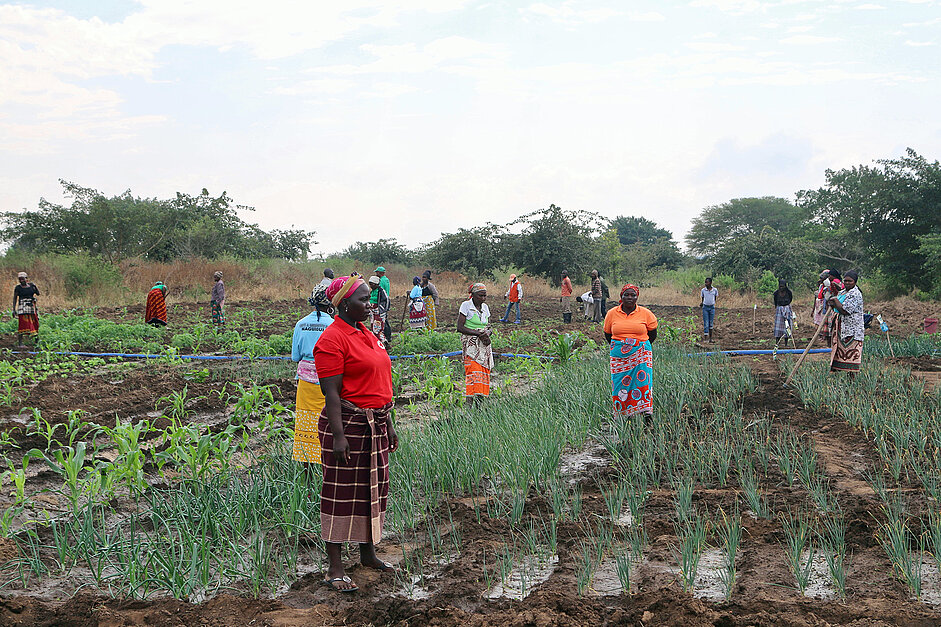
(384, 567)
(345, 579)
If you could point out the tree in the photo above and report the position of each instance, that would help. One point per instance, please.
(380, 252)
(633, 230)
(554, 240)
(475, 252)
(748, 256)
(720, 224)
(879, 213)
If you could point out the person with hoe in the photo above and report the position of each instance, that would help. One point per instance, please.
(514, 294)
(566, 298)
(156, 311)
(472, 323)
(848, 326)
(217, 300)
(630, 330)
(707, 301)
(356, 431)
(25, 309)
(310, 399)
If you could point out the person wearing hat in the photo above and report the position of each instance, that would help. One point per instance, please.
(24, 308)
(379, 309)
(383, 280)
(217, 299)
(156, 311)
(514, 294)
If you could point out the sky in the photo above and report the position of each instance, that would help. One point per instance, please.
(362, 119)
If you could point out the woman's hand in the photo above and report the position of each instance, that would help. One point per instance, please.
(341, 450)
(393, 437)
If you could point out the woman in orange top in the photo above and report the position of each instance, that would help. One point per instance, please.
(631, 329)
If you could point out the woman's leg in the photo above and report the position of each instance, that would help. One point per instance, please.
(336, 570)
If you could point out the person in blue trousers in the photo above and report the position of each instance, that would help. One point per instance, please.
(708, 303)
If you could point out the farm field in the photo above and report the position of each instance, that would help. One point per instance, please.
(162, 492)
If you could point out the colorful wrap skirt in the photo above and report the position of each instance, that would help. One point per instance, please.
(218, 316)
(354, 495)
(28, 324)
(377, 321)
(478, 362)
(417, 316)
(845, 355)
(310, 403)
(156, 311)
(431, 312)
(631, 374)
(783, 317)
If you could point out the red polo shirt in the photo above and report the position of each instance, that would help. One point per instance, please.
(357, 354)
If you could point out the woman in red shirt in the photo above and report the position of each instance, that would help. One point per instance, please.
(355, 430)
(631, 329)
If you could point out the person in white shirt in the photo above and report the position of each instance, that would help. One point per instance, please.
(326, 280)
(708, 303)
(588, 301)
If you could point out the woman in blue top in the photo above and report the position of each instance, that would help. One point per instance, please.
(310, 399)
(416, 309)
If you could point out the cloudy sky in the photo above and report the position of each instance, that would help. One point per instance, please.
(363, 119)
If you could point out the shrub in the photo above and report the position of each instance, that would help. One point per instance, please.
(183, 340)
(280, 344)
(767, 284)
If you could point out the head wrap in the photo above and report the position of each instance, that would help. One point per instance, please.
(416, 280)
(477, 287)
(22, 275)
(343, 287)
(851, 273)
(782, 283)
(836, 283)
(217, 274)
(374, 279)
(426, 274)
(825, 274)
(629, 286)
(834, 274)
(318, 298)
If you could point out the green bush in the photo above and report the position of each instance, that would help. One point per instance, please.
(767, 284)
(82, 272)
(280, 344)
(726, 283)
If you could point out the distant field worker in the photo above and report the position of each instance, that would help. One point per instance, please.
(327, 279)
(848, 325)
(589, 303)
(310, 398)
(473, 324)
(356, 431)
(631, 329)
(379, 304)
(783, 316)
(429, 294)
(217, 299)
(25, 309)
(707, 300)
(384, 280)
(596, 294)
(565, 299)
(156, 311)
(820, 298)
(416, 307)
(514, 294)
(834, 289)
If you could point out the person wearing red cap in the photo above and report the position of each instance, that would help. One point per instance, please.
(515, 295)
(630, 329)
(355, 429)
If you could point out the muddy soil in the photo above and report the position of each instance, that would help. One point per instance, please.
(455, 594)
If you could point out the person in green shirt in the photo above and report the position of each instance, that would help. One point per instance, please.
(383, 283)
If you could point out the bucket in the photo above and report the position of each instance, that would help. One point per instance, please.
(931, 325)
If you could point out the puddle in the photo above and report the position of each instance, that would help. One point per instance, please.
(708, 584)
(524, 578)
(410, 588)
(576, 465)
(820, 585)
(930, 580)
(625, 519)
(605, 580)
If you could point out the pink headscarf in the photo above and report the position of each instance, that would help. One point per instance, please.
(343, 287)
(628, 286)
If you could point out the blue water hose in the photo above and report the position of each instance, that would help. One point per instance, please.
(249, 357)
(764, 351)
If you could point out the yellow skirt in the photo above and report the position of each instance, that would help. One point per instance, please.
(310, 403)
